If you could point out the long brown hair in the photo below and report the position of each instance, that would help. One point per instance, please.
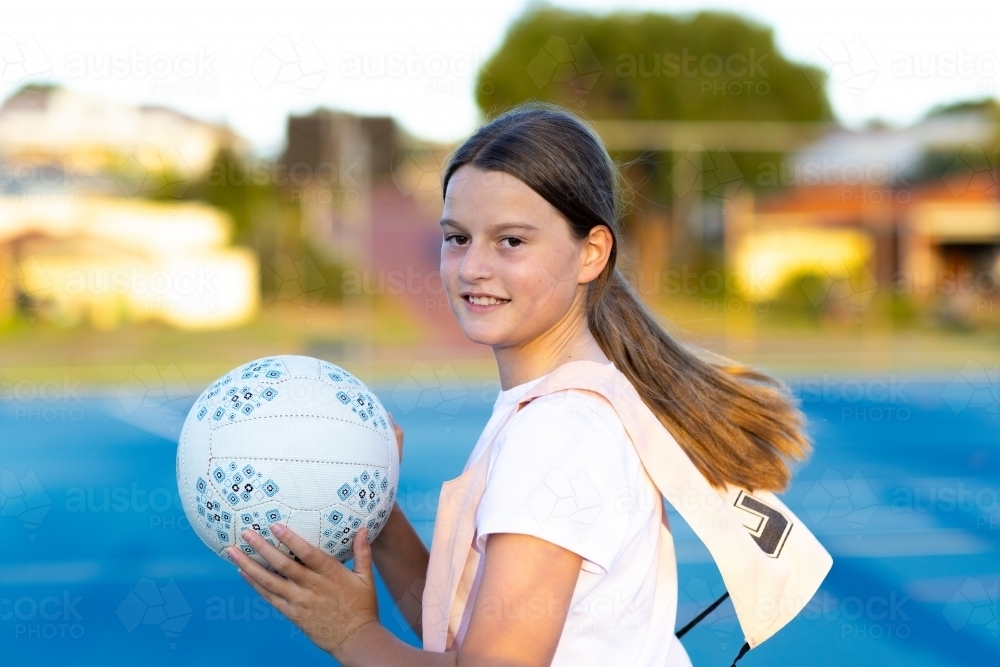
(737, 424)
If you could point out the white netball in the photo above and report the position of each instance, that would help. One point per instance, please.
(292, 440)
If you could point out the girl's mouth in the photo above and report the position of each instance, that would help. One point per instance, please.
(484, 304)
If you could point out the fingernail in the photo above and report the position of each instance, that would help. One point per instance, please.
(277, 529)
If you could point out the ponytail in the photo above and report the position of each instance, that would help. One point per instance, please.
(736, 423)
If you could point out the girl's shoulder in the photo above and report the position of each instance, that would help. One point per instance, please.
(571, 407)
(569, 424)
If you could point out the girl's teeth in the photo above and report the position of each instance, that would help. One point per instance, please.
(484, 300)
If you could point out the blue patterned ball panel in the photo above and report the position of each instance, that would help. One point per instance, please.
(240, 483)
(236, 404)
(265, 370)
(338, 375)
(213, 514)
(365, 492)
(367, 409)
(208, 397)
(259, 519)
(340, 525)
(365, 500)
(239, 393)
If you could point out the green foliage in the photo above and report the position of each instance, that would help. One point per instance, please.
(229, 186)
(268, 221)
(650, 66)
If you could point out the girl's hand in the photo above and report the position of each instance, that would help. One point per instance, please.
(326, 600)
(399, 435)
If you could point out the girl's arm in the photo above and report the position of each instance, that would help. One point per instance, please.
(517, 617)
(401, 559)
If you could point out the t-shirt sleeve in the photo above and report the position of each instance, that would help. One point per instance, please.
(558, 471)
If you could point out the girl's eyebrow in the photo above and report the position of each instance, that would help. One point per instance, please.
(502, 227)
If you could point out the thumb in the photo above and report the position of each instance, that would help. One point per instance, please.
(363, 556)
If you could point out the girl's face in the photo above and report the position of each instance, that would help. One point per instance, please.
(510, 267)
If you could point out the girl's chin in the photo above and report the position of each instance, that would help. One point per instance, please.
(484, 336)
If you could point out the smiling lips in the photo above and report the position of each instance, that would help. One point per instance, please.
(480, 303)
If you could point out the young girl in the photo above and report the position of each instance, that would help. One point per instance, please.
(575, 569)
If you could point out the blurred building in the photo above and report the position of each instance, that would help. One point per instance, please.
(114, 260)
(92, 226)
(914, 210)
(370, 199)
(98, 142)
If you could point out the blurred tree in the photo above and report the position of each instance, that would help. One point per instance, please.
(648, 66)
(267, 220)
(243, 195)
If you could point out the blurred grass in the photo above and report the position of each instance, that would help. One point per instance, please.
(382, 342)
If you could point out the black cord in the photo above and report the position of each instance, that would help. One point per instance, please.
(743, 652)
(697, 619)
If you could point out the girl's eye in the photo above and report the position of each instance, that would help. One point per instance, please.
(458, 238)
(514, 241)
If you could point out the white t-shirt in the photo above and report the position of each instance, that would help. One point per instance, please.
(564, 470)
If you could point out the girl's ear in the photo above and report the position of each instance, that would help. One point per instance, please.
(596, 252)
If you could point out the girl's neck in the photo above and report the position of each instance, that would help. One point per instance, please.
(518, 365)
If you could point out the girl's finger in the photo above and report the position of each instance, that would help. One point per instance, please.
(275, 601)
(259, 574)
(282, 564)
(311, 557)
(363, 556)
